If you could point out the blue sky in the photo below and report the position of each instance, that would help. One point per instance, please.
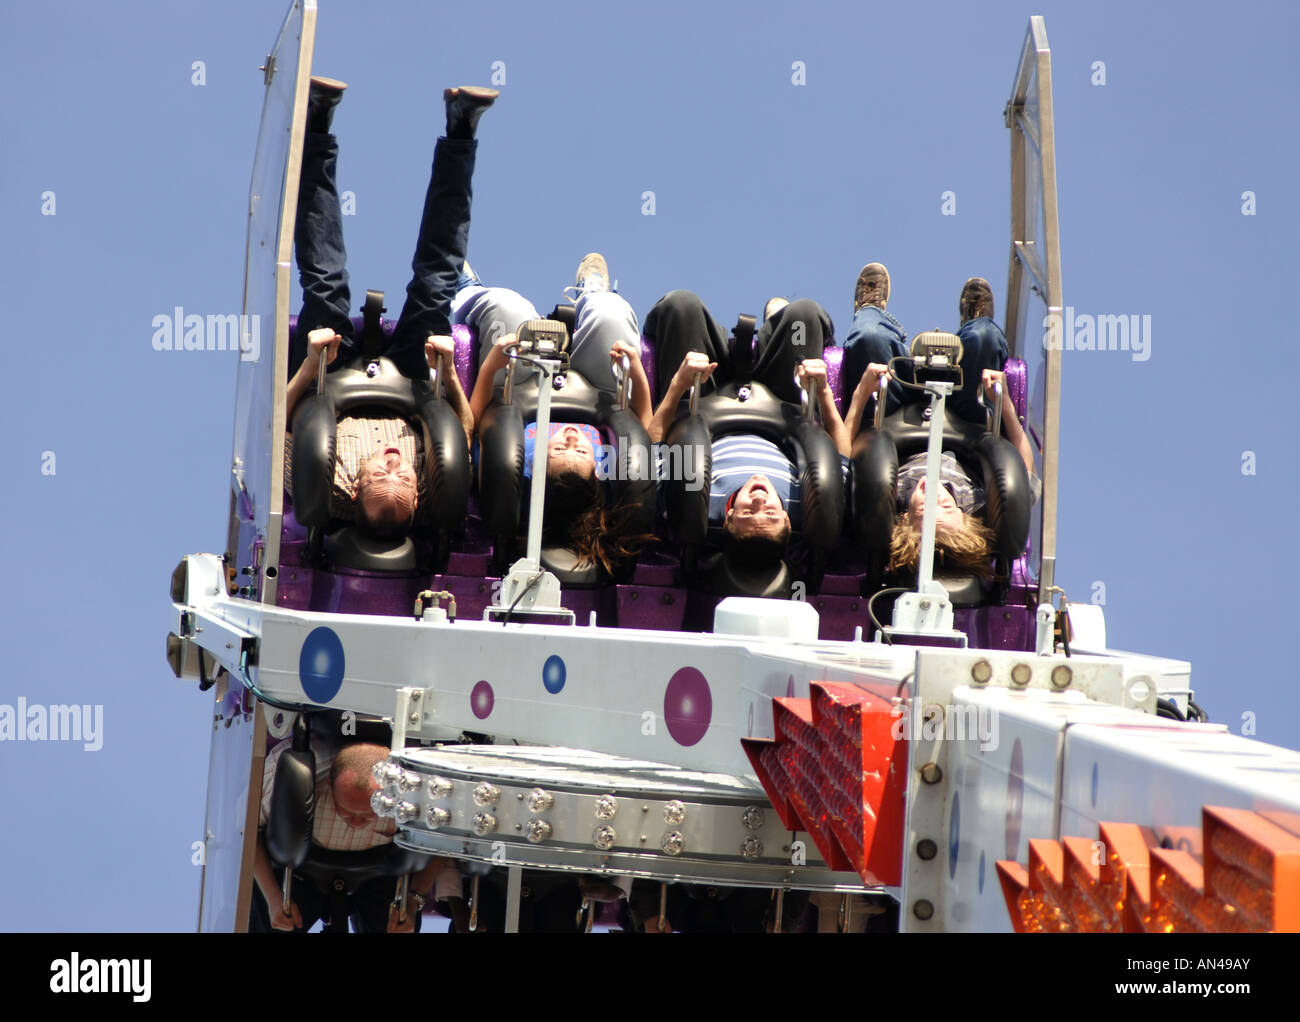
(761, 187)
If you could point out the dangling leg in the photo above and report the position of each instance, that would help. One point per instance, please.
(444, 233)
(984, 346)
(795, 332)
(318, 231)
(491, 312)
(601, 318)
(678, 324)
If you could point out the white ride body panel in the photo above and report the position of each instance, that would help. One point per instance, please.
(613, 697)
(1151, 771)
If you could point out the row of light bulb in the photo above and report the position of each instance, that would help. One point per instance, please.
(395, 782)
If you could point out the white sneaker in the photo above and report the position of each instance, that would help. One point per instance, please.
(592, 275)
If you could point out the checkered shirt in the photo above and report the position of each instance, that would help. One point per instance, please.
(329, 830)
(357, 440)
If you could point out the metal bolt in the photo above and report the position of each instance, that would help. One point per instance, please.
(926, 849)
(1061, 676)
(1020, 674)
(923, 909)
(981, 671)
(931, 774)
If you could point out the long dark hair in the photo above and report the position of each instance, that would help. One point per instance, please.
(575, 516)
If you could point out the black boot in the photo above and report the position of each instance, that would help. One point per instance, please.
(465, 105)
(321, 101)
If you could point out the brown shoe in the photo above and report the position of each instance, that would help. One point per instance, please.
(976, 300)
(465, 105)
(322, 98)
(872, 287)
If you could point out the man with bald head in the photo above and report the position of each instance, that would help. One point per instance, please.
(343, 821)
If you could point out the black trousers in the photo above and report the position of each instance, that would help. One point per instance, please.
(367, 907)
(679, 323)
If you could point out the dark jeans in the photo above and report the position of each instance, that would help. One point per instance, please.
(367, 907)
(435, 268)
(679, 323)
(877, 337)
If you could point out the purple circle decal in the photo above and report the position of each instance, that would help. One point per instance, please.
(688, 706)
(481, 700)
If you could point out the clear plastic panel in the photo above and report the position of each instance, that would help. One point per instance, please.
(257, 456)
(234, 771)
(1035, 271)
(1034, 310)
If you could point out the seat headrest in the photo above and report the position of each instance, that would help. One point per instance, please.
(748, 408)
(563, 564)
(722, 577)
(573, 399)
(374, 382)
(910, 430)
(351, 548)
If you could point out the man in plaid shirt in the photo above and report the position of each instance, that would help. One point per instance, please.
(343, 821)
(376, 479)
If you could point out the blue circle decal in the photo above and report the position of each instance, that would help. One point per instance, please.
(553, 673)
(320, 665)
(954, 835)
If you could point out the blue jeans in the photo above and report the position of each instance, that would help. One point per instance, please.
(435, 268)
(876, 336)
(984, 346)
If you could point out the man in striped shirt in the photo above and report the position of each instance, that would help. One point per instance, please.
(754, 490)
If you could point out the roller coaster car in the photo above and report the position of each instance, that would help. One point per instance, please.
(460, 541)
(989, 459)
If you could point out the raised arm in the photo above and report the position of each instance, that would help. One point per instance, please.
(320, 340)
(813, 370)
(442, 345)
(694, 362)
(483, 387)
(1010, 421)
(868, 385)
(640, 402)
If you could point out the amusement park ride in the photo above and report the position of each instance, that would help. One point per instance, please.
(984, 761)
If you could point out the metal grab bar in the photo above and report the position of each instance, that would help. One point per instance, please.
(880, 402)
